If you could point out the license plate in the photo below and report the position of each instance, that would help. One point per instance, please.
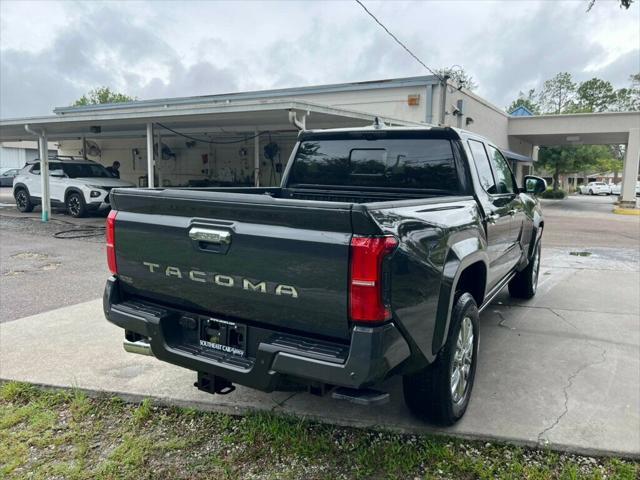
(223, 336)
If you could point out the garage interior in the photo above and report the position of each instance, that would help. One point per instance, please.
(240, 144)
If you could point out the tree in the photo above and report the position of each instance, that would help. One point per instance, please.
(572, 158)
(623, 4)
(102, 95)
(558, 94)
(528, 101)
(628, 99)
(459, 76)
(595, 95)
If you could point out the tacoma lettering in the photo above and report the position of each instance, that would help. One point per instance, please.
(221, 280)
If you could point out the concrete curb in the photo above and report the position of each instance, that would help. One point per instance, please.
(232, 408)
(626, 211)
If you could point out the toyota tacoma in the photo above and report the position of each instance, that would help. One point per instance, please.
(373, 258)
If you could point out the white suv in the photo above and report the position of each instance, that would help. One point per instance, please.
(78, 185)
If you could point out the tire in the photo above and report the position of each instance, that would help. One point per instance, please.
(23, 200)
(591, 192)
(430, 393)
(76, 206)
(525, 283)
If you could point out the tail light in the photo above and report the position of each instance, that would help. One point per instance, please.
(366, 296)
(110, 235)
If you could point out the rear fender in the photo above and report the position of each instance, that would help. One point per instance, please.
(461, 255)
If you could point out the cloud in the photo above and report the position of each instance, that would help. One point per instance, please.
(164, 49)
(618, 71)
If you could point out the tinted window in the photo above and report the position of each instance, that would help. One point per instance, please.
(483, 168)
(504, 178)
(393, 163)
(35, 169)
(75, 170)
(55, 167)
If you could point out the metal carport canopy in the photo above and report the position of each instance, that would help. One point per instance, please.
(235, 116)
(132, 120)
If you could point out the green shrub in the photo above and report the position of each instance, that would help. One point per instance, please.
(550, 193)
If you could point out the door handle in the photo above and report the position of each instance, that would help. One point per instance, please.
(209, 235)
(493, 218)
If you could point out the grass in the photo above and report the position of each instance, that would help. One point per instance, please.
(65, 434)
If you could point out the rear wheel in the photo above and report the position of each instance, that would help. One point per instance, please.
(440, 392)
(76, 207)
(23, 200)
(525, 283)
(591, 192)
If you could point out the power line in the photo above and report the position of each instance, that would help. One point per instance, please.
(399, 42)
(205, 140)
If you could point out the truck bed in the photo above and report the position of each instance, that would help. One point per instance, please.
(286, 265)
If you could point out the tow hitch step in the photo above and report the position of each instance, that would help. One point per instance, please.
(213, 384)
(364, 396)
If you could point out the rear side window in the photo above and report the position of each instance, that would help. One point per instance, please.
(416, 163)
(481, 159)
(55, 167)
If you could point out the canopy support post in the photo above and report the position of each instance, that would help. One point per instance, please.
(150, 181)
(43, 153)
(256, 158)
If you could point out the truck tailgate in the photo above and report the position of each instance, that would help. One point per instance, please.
(249, 258)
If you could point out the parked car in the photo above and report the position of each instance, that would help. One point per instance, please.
(374, 258)
(6, 178)
(617, 189)
(78, 185)
(595, 188)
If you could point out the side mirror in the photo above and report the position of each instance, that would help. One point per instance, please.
(534, 185)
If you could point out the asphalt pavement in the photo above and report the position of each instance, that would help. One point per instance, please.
(46, 266)
(561, 370)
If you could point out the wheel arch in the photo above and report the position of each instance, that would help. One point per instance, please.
(20, 186)
(460, 271)
(536, 234)
(71, 190)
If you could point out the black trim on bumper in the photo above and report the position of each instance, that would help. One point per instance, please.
(372, 354)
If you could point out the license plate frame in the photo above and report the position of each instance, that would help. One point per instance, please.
(223, 336)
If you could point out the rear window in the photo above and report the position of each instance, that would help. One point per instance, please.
(425, 164)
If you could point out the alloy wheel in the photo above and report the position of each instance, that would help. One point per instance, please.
(536, 268)
(462, 361)
(74, 205)
(21, 199)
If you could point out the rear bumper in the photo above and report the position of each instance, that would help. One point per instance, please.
(278, 359)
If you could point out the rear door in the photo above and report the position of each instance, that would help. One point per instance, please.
(57, 181)
(247, 258)
(33, 182)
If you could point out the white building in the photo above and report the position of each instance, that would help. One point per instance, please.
(16, 154)
(128, 132)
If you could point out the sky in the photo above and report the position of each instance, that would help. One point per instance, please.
(53, 52)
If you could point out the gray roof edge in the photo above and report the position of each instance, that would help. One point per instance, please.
(257, 94)
(150, 115)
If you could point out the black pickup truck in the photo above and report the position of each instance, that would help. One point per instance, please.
(373, 258)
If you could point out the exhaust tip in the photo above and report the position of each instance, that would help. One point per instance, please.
(140, 347)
